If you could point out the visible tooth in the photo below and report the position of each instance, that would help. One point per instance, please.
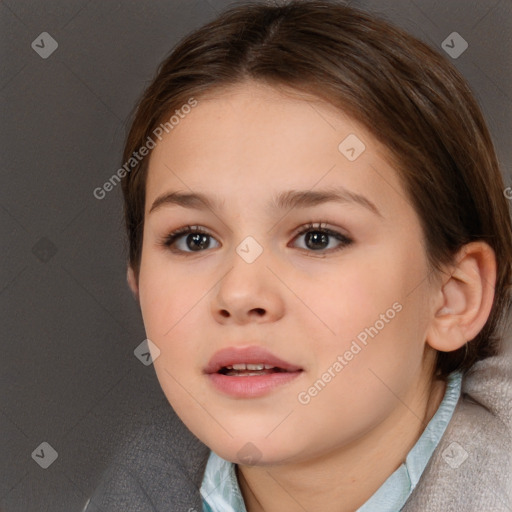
(251, 367)
(255, 366)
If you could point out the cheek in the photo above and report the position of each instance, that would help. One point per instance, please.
(165, 296)
(355, 299)
(380, 302)
(171, 311)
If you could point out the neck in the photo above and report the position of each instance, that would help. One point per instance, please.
(343, 479)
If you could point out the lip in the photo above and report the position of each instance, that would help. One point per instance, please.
(249, 386)
(251, 355)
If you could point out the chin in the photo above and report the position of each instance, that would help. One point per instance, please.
(255, 450)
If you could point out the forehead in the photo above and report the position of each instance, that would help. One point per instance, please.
(257, 137)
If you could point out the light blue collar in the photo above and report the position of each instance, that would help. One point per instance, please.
(221, 492)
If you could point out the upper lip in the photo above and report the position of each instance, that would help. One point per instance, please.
(250, 355)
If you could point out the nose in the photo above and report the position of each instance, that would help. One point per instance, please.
(248, 292)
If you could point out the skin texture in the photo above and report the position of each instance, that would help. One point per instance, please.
(244, 146)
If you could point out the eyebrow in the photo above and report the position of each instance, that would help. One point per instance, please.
(282, 201)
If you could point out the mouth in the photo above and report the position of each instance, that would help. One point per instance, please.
(249, 372)
(236, 361)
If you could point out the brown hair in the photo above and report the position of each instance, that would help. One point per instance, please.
(406, 94)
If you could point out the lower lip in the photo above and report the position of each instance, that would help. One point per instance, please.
(251, 386)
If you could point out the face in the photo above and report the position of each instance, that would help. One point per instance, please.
(304, 255)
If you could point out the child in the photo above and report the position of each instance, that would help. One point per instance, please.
(321, 249)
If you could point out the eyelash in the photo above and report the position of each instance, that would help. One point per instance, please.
(318, 227)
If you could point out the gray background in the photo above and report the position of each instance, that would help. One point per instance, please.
(68, 373)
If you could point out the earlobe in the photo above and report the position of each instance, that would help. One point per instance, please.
(132, 280)
(465, 298)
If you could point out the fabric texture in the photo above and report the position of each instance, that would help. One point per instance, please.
(162, 469)
(221, 492)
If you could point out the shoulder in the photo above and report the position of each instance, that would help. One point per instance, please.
(161, 468)
(471, 469)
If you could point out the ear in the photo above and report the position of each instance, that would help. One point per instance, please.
(464, 298)
(133, 282)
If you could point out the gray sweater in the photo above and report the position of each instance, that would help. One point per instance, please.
(162, 468)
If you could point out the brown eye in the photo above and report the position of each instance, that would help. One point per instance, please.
(318, 238)
(189, 239)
